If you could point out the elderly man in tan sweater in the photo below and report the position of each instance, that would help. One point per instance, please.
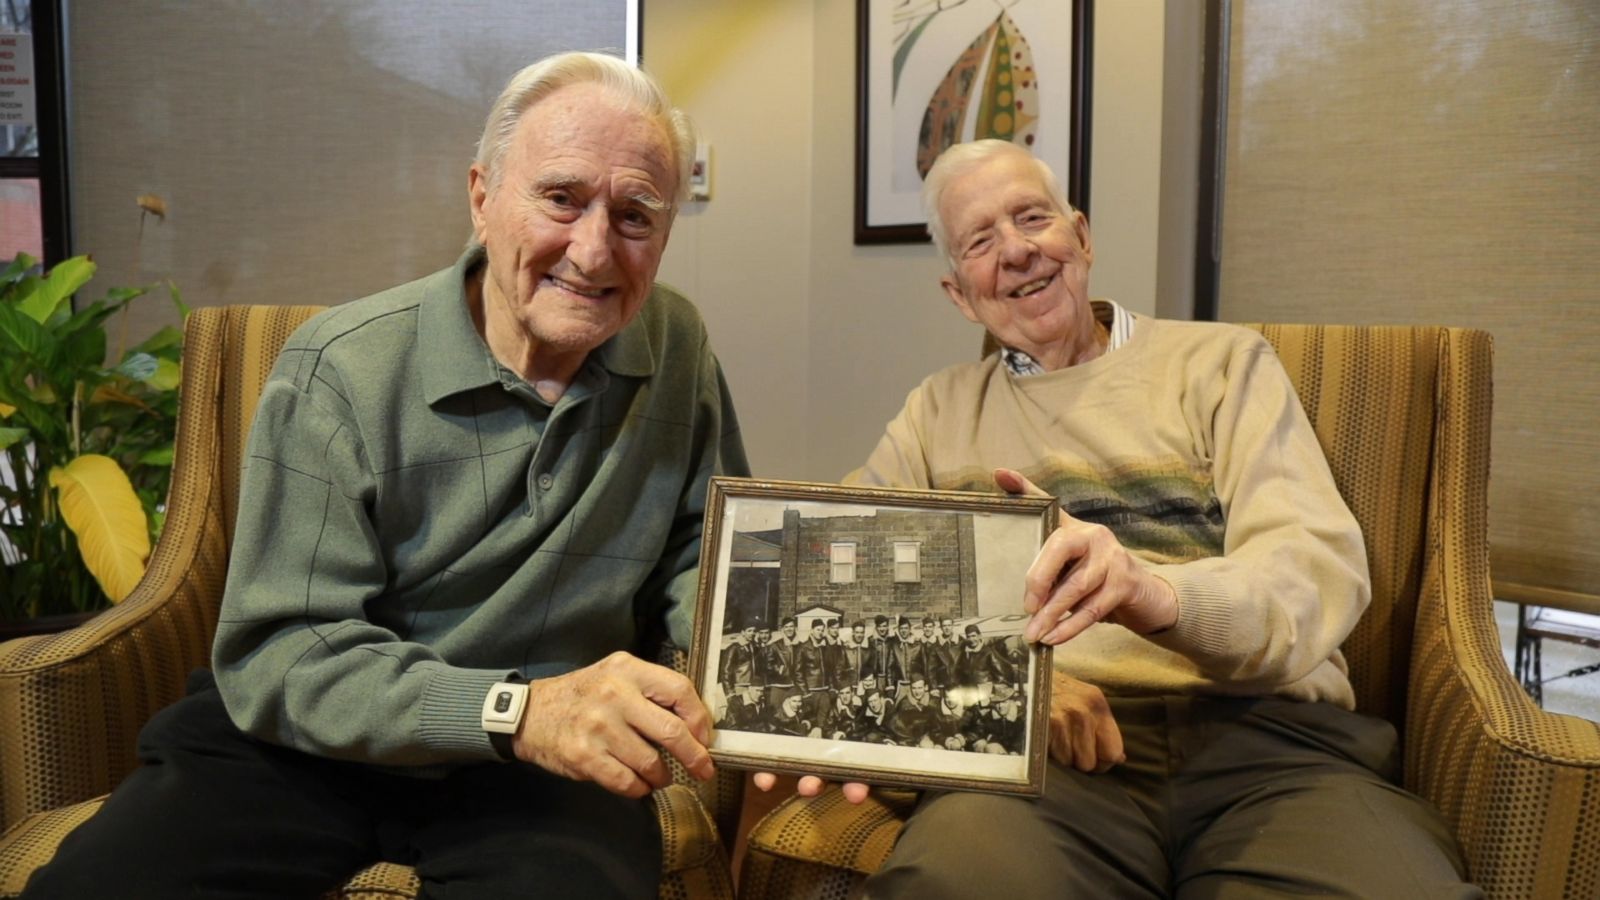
(1197, 590)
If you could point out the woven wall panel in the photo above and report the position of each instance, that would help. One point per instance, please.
(1429, 162)
(310, 152)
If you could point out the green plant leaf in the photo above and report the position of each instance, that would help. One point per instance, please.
(6, 410)
(20, 264)
(116, 298)
(111, 393)
(137, 366)
(177, 298)
(160, 456)
(82, 350)
(99, 505)
(9, 436)
(161, 340)
(166, 376)
(20, 333)
(25, 288)
(92, 316)
(63, 280)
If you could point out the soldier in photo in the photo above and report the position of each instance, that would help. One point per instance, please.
(884, 667)
(738, 664)
(811, 672)
(780, 671)
(858, 662)
(939, 657)
(905, 667)
(871, 723)
(759, 662)
(912, 720)
(977, 664)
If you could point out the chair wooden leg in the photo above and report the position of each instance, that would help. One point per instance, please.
(1527, 664)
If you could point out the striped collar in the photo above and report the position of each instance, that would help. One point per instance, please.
(1118, 322)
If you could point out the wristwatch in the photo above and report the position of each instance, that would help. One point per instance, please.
(502, 714)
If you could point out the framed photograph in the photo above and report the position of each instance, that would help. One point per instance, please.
(933, 73)
(869, 634)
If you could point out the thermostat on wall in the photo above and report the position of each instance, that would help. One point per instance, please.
(700, 172)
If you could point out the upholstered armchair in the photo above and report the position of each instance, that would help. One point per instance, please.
(71, 704)
(1403, 415)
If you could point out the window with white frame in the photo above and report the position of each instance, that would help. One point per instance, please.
(843, 556)
(907, 561)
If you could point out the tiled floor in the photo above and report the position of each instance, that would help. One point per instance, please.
(1578, 696)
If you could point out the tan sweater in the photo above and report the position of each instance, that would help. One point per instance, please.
(1190, 444)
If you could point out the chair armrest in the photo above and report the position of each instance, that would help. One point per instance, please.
(694, 861)
(72, 703)
(723, 795)
(1515, 782)
(823, 846)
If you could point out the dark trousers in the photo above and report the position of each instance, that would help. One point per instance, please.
(215, 813)
(1219, 798)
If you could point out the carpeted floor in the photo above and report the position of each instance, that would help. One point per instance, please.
(1579, 695)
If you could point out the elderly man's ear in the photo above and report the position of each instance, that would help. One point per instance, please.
(477, 195)
(1080, 230)
(952, 289)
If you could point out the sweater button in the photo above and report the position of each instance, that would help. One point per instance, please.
(545, 481)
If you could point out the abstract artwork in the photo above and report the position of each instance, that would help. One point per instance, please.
(934, 73)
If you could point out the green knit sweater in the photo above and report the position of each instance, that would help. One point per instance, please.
(416, 524)
(1190, 444)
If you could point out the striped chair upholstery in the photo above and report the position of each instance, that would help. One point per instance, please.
(72, 703)
(1403, 415)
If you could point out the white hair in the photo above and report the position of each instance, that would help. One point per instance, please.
(543, 78)
(963, 158)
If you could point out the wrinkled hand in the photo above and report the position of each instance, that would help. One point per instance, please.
(604, 722)
(811, 785)
(1083, 733)
(1082, 575)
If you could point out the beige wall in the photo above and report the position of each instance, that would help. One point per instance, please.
(822, 339)
(742, 70)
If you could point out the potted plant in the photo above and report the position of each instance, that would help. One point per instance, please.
(85, 442)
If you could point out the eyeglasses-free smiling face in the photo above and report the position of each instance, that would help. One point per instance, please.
(1021, 263)
(574, 222)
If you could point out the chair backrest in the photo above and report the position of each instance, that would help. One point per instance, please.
(114, 672)
(245, 342)
(1374, 395)
(1371, 393)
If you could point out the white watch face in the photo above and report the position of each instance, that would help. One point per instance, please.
(502, 708)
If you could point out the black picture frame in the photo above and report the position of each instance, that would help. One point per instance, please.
(950, 696)
(887, 210)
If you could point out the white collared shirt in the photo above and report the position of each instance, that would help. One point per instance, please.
(1118, 321)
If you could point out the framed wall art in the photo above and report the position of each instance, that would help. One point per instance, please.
(870, 634)
(933, 73)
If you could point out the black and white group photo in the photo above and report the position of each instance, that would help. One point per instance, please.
(927, 682)
(867, 629)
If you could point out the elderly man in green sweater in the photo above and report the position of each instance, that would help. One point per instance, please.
(1197, 590)
(468, 502)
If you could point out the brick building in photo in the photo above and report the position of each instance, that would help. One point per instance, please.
(895, 562)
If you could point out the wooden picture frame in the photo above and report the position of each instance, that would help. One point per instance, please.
(961, 702)
(930, 74)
